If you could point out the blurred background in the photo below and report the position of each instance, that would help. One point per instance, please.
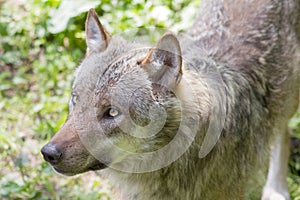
(41, 43)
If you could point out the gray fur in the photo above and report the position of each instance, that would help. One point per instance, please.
(253, 46)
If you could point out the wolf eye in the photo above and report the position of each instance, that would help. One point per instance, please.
(111, 113)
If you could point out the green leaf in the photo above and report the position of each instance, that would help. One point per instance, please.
(59, 17)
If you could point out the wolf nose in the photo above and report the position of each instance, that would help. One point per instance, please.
(51, 153)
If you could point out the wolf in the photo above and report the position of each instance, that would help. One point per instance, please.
(194, 116)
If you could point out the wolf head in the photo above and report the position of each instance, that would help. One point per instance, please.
(123, 103)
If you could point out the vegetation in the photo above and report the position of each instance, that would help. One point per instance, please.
(41, 43)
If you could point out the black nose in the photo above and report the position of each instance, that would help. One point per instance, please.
(51, 153)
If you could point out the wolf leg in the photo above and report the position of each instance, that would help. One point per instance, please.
(276, 187)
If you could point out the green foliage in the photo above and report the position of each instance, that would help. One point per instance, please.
(41, 43)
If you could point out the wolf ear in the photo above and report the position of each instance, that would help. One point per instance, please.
(96, 36)
(163, 62)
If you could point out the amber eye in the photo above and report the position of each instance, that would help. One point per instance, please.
(112, 112)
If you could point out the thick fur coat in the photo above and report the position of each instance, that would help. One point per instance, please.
(239, 64)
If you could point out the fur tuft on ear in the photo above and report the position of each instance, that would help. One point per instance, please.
(96, 36)
(163, 62)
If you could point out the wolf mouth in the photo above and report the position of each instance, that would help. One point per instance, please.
(61, 171)
(94, 167)
(97, 166)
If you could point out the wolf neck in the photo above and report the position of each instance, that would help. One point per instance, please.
(169, 182)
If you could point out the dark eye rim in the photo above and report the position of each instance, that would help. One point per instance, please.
(74, 97)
